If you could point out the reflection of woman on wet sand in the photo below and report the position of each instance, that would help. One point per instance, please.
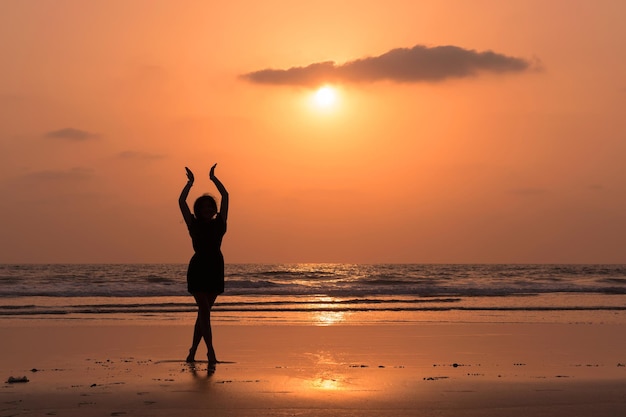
(205, 274)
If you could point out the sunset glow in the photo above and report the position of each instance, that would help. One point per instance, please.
(433, 131)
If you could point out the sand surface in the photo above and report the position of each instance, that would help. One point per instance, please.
(476, 369)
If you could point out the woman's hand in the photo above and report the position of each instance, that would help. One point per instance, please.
(189, 175)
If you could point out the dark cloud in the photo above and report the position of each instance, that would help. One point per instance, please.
(71, 134)
(402, 65)
(136, 155)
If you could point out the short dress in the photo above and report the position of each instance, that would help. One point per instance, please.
(206, 267)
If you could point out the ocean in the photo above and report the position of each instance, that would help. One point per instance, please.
(321, 294)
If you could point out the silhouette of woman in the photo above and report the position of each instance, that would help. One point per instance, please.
(205, 273)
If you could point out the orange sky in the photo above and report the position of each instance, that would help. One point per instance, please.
(103, 104)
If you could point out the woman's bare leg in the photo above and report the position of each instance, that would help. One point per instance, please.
(197, 336)
(202, 327)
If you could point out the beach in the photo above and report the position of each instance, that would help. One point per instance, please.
(121, 368)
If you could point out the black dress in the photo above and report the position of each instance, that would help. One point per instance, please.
(206, 267)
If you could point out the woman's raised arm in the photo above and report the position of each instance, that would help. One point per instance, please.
(182, 200)
(223, 193)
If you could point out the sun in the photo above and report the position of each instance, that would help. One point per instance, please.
(325, 97)
(325, 101)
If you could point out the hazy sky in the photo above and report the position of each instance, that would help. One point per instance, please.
(462, 131)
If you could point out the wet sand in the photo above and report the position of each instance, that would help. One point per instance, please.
(457, 369)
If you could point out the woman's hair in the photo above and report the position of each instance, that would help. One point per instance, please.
(204, 199)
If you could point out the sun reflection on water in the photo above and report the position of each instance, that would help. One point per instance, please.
(327, 377)
(327, 384)
(326, 316)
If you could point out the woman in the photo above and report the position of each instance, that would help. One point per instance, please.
(205, 274)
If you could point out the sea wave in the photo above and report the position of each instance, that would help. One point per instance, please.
(340, 280)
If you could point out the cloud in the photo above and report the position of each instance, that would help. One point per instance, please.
(136, 155)
(77, 173)
(529, 191)
(71, 134)
(401, 65)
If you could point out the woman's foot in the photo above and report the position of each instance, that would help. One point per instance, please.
(212, 360)
(192, 356)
